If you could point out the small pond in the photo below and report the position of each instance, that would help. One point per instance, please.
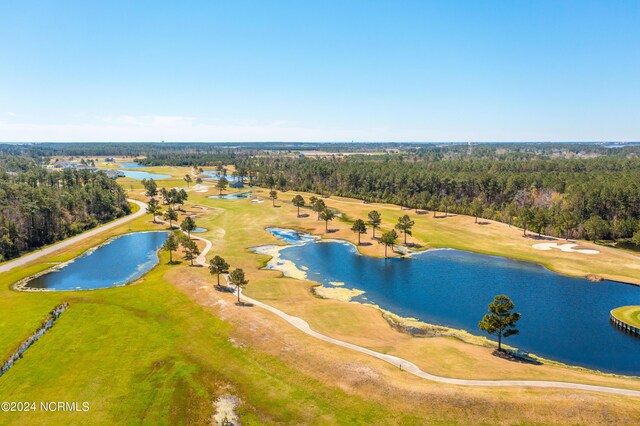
(199, 230)
(116, 263)
(136, 174)
(564, 319)
(213, 175)
(233, 196)
(132, 166)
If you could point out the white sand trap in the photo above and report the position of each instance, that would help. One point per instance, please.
(568, 248)
(338, 293)
(200, 188)
(226, 410)
(255, 200)
(287, 267)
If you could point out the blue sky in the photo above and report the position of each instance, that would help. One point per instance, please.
(319, 71)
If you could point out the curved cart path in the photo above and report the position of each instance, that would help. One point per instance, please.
(410, 367)
(27, 258)
(303, 326)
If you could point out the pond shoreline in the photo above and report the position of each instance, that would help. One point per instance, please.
(22, 284)
(405, 324)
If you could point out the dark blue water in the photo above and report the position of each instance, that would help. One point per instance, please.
(143, 175)
(119, 262)
(564, 319)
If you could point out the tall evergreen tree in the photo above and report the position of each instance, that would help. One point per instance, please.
(405, 224)
(388, 239)
(153, 208)
(222, 184)
(501, 320)
(298, 201)
(238, 279)
(359, 227)
(188, 225)
(375, 219)
(170, 215)
(218, 266)
(327, 215)
(171, 245)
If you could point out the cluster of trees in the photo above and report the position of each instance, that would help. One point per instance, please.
(359, 226)
(39, 206)
(173, 198)
(219, 266)
(175, 241)
(595, 198)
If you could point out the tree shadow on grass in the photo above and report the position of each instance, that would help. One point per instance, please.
(331, 231)
(244, 304)
(517, 356)
(303, 215)
(174, 262)
(484, 223)
(540, 237)
(365, 244)
(444, 216)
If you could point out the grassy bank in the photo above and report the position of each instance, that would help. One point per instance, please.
(628, 314)
(162, 350)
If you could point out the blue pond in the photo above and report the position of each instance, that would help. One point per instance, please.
(106, 266)
(135, 174)
(199, 230)
(233, 196)
(213, 175)
(564, 319)
(132, 166)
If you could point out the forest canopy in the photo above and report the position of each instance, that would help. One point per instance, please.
(40, 206)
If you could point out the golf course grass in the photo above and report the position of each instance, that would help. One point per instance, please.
(163, 349)
(628, 314)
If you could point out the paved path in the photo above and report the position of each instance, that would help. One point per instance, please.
(410, 367)
(23, 260)
(303, 326)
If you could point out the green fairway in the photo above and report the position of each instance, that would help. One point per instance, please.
(162, 350)
(145, 353)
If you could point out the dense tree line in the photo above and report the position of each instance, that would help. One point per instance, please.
(596, 198)
(39, 207)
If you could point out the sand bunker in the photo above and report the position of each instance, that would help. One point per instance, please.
(226, 410)
(200, 188)
(337, 293)
(287, 267)
(568, 248)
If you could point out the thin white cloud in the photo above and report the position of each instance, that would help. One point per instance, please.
(11, 114)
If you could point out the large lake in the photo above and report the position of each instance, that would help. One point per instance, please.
(122, 260)
(563, 319)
